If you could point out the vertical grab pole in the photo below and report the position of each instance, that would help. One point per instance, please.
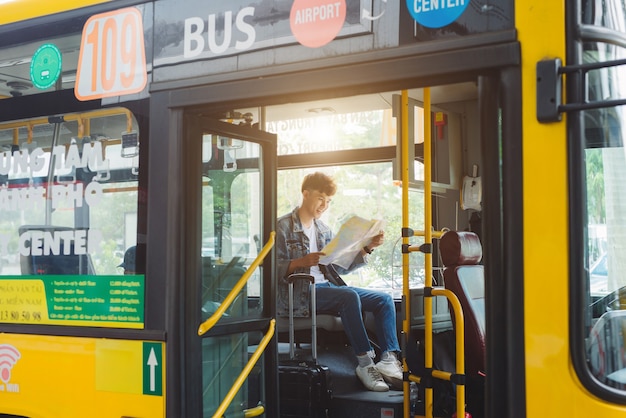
(428, 257)
(404, 114)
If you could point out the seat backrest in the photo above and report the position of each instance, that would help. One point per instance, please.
(461, 252)
(324, 321)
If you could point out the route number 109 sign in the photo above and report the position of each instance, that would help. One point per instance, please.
(112, 59)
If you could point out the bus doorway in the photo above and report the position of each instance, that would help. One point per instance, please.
(355, 140)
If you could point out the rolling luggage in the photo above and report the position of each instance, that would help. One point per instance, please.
(304, 388)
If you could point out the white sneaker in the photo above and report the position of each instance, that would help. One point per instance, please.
(371, 378)
(391, 371)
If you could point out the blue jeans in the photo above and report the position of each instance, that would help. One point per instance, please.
(349, 302)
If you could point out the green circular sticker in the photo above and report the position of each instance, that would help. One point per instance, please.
(45, 67)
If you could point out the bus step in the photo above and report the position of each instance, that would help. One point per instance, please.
(367, 404)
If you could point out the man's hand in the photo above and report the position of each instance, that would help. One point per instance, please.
(311, 259)
(377, 241)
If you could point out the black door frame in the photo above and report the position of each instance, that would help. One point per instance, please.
(497, 65)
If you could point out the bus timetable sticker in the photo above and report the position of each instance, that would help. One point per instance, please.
(104, 301)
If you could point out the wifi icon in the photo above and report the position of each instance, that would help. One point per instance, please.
(9, 355)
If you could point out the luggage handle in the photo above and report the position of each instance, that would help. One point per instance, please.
(313, 312)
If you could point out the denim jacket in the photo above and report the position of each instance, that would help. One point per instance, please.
(292, 243)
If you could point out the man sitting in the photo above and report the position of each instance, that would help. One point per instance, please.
(299, 238)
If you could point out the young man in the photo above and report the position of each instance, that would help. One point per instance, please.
(300, 237)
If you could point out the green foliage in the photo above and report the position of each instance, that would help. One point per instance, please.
(595, 186)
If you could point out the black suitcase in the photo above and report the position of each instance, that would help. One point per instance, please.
(304, 385)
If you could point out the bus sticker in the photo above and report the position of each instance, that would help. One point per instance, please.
(152, 368)
(103, 301)
(436, 13)
(112, 59)
(45, 66)
(9, 355)
(316, 23)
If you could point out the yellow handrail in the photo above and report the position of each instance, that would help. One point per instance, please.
(428, 235)
(246, 370)
(428, 256)
(406, 325)
(460, 347)
(79, 117)
(210, 322)
(257, 411)
(435, 234)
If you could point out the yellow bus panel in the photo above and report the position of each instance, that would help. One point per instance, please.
(75, 377)
(27, 9)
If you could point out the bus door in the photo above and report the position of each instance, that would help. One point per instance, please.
(229, 215)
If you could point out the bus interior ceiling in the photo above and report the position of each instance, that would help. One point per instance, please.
(440, 96)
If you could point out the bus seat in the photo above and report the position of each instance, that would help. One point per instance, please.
(302, 313)
(461, 252)
(325, 321)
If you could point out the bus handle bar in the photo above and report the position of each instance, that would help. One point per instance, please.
(460, 348)
(244, 375)
(210, 322)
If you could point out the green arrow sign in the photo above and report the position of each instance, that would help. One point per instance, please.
(152, 369)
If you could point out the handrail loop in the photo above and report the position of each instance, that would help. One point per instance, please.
(460, 345)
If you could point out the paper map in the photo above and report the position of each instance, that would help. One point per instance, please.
(353, 235)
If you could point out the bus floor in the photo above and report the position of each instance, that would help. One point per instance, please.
(349, 396)
(351, 399)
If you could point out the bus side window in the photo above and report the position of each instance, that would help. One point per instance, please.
(69, 194)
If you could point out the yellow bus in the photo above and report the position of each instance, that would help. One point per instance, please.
(148, 147)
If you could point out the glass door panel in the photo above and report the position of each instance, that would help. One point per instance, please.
(232, 216)
(231, 224)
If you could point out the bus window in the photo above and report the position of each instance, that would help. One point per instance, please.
(231, 222)
(606, 242)
(324, 128)
(69, 199)
(368, 191)
(222, 358)
(604, 171)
